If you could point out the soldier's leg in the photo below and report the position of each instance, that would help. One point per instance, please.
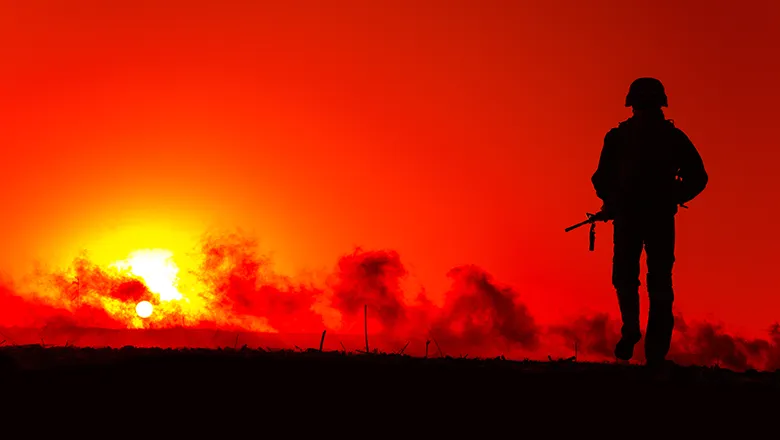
(627, 240)
(659, 245)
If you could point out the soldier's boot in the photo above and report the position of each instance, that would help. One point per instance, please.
(630, 333)
(660, 325)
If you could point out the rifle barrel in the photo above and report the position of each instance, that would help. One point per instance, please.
(582, 223)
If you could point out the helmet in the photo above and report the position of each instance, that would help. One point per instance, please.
(646, 92)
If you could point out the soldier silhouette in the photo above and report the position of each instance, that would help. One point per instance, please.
(646, 170)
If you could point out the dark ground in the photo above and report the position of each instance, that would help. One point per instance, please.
(189, 389)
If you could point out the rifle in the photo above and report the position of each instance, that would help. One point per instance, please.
(592, 219)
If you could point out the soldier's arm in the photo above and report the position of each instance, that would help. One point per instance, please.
(694, 176)
(604, 178)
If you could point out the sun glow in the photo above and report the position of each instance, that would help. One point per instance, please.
(157, 270)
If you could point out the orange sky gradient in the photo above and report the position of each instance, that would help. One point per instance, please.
(452, 132)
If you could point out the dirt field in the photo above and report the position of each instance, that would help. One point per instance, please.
(298, 387)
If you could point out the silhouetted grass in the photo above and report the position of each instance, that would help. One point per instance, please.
(53, 359)
(306, 383)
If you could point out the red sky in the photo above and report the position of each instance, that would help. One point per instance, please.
(453, 132)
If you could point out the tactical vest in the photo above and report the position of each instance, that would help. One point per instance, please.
(647, 161)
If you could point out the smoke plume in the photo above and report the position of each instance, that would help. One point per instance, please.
(232, 295)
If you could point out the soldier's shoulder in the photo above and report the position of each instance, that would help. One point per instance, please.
(674, 129)
(617, 130)
(622, 125)
(612, 136)
(671, 125)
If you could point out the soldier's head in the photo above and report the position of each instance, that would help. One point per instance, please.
(646, 94)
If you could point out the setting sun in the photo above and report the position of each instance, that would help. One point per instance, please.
(144, 309)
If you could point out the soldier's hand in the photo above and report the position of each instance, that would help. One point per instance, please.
(606, 213)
